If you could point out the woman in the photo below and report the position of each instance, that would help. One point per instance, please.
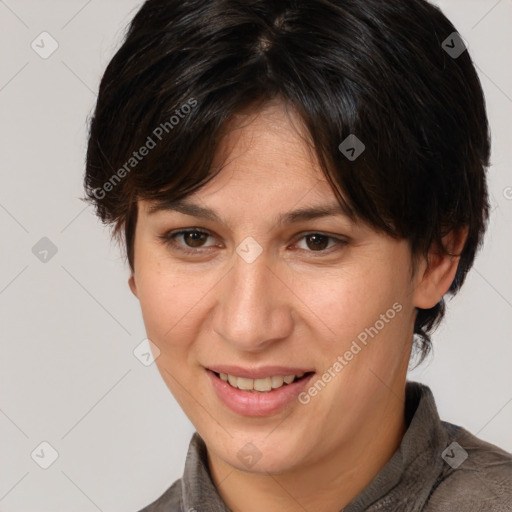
(298, 185)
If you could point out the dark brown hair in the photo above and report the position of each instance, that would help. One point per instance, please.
(376, 69)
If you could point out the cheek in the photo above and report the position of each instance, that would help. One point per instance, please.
(162, 307)
(351, 299)
(172, 300)
(162, 298)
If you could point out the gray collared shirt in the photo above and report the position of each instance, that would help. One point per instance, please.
(438, 467)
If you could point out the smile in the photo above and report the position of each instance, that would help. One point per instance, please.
(263, 396)
(263, 385)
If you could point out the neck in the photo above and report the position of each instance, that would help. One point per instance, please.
(328, 484)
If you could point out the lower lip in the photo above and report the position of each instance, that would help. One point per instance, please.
(254, 403)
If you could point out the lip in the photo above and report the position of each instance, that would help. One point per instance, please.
(247, 403)
(259, 373)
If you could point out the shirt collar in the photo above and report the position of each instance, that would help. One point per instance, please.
(197, 488)
(408, 477)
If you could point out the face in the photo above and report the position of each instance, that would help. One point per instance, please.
(244, 294)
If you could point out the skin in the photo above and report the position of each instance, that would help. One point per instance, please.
(295, 305)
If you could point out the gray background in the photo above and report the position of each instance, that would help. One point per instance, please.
(70, 324)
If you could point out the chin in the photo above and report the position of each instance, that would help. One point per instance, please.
(267, 455)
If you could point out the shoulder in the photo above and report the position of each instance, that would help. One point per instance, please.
(476, 477)
(170, 501)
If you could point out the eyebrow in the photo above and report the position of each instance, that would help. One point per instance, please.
(294, 216)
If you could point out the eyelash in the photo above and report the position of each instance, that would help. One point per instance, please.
(169, 239)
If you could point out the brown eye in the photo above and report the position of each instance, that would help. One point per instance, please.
(194, 238)
(320, 243)
(317, 242)
(188, 241)
(194, 242)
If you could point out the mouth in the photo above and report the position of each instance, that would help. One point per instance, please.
(258, 397)
(261, 385)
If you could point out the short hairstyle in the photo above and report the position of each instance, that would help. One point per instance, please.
(376, 69)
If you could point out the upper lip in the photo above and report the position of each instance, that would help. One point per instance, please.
(260, 372)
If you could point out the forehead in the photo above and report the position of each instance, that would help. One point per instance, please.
(269, 143)
(267, 169)
(268, 174)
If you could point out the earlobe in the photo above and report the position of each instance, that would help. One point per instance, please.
(436, 278)
(132, 285)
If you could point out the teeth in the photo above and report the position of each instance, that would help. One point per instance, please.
(245, 384)
(263, 385)
(277, 382)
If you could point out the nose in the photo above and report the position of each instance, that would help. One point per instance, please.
(254, 307)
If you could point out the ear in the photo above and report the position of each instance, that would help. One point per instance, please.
(132, 285)
(436, 277)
